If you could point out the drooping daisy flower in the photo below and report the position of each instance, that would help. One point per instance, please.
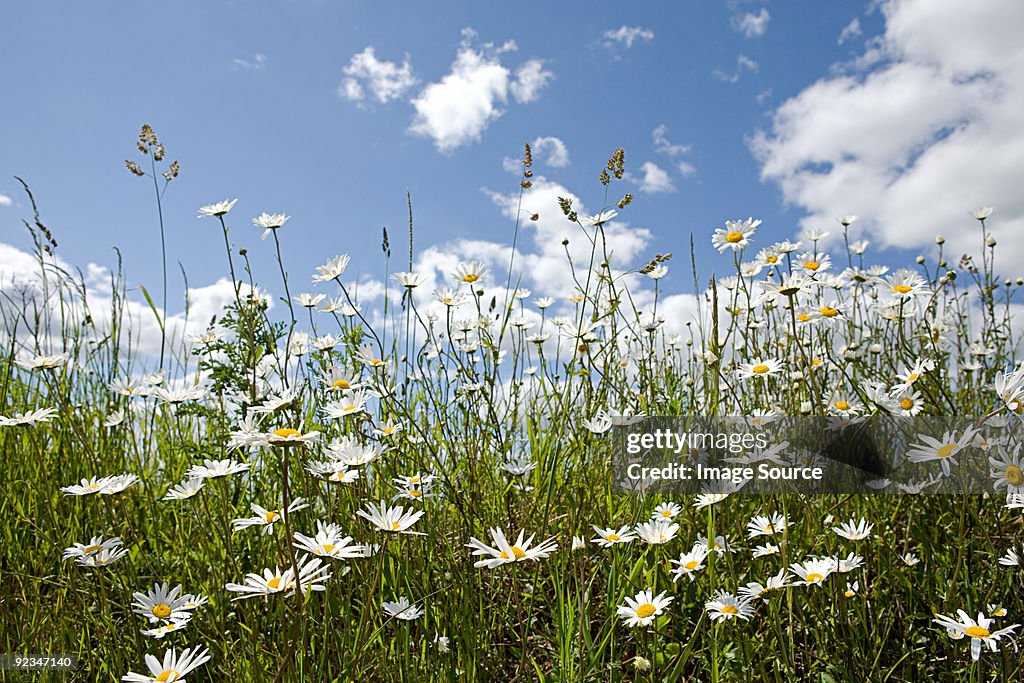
(854, 531)
(312, 575)
(725, 606)
(173, 668)
(505, 552)
(329, 542)
(606, 538)
(409, 280)
(216, 210)
(269, 222)
(643, 608)
(391, 519)
(690, 562)
(977, 630)
(267, 518)
(754, 589)
(402, 609)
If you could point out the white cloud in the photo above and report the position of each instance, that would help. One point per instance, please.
(850, 31)
(386, 80)
(743, 63)
(531, 78)
(929, 132)
(5, 200)
(256, 63)
(750, 24)
(625, 36)
(458, 108)
(554, 151)
(662, 145)
(655, 179)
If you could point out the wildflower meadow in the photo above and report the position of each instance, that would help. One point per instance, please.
(426, 488)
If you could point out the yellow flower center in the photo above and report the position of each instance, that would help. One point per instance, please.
(803, 317)
(415, 494)
(516, 550)
(812, 265)
(1014, 475)
(270, 516)
(771, 259)
(901, 289)
(612, 537)
(327, 548)
(89, 550)
(395, 526)
(168, 675)
(842, 405)
(760, 369)
(977, 632)
(162, 610)
(645, 610)
(666, 513)
(446, 300)
(815, 362)
(734, 236)
(341, 384)
(849, 594)
(829, 312)
(274, 582)
(730, 609)
(946, 450)
(470, 277)
(691, 565)
(814, 577)
(286, 432)
(912, 377)
(906, 404)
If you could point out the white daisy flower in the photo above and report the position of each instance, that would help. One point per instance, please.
(643, 608)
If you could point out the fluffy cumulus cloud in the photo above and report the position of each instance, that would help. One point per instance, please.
(750, 24)
(5, 200)
(653, 179)
(552, 150)
(625, 37)
(385, 80)
(458, 108)
(921, 128)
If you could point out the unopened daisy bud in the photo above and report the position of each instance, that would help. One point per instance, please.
(1008, 282)
(1020, 281)
(875, 348)
(943, 263)
(920, 260)
(565, 242)
(578, 543)
(991, 241)
(805, 408)
(689, 382)
(939, 239)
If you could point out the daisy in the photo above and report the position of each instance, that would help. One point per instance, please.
(657, 532)
(812, 263)
(329, 542)
(689, 563)
(643, 608)
(267, 518)
(851, 589)
(368, 356)
(52, 362)
(909, 404)
(1007, 470)
(907, 379)
(85, 553)
(762, 525)
(307, 300)
(470, 272)
(977, 630)
(332, 269)
(312, 574)
(333, 471)
(759, 368)
(162, 630)
(928, 448)
(721, 544)
(910, 559)
(727, 606)
(173, 668)
(606, 538)
(409, 280)
(402, 609)
(735, 235)
(216, 210)
(755, 589)
(905, 284)
(505, 553)
(28, 419)
(854, 531)
(1010, 559)
(353, 403)
(385, 429)
(185, 489)
(213, 469)
(765, 550)
(666, 511)
(980, 214)
(813, 572)
(848, 564)
(161, 603)
(269, 222)
(391, 519)
(286, 436)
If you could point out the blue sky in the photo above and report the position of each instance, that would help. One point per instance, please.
(791, 112)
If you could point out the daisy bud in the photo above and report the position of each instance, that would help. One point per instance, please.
(942, 263)
(641, 664)
(1020, 281)
(920, 260)
(689, 381)
(565, 242)
(991, 241)
(939, 239)
(875, 348)
(805, 408)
